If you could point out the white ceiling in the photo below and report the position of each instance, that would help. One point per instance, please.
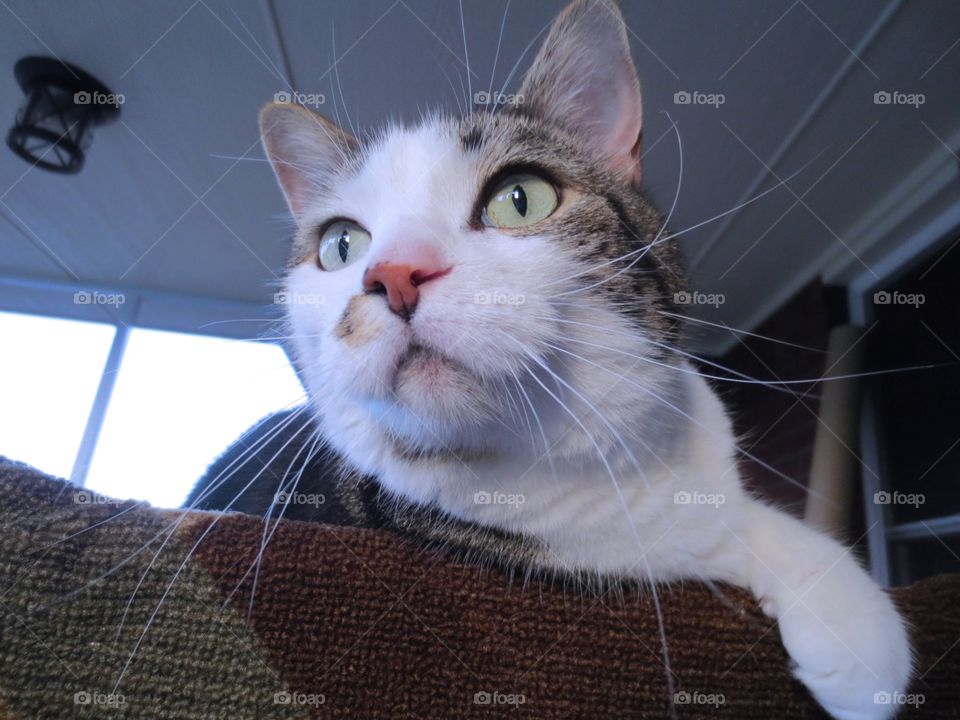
(176, 199)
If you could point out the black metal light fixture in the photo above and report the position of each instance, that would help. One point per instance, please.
(54, 127)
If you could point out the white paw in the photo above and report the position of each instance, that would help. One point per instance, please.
(850, 649)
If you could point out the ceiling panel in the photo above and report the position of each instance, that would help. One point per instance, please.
(177, 197)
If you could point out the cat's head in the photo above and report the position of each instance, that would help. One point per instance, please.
(466, 286)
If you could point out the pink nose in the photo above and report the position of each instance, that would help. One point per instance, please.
(400, 283)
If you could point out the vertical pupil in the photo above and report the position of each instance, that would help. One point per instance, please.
(343, 245)
(519, 198)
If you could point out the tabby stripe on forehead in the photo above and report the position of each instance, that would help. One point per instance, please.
(472, 139)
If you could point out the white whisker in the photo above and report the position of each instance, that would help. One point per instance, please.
(629, 517)
(677, 234)
(724, 326)
(186, 559)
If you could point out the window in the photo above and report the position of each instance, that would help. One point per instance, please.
(49, 373)
(918, 428)
(179, 401)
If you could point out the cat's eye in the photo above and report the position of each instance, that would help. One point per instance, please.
(520, 200)
(342, 243)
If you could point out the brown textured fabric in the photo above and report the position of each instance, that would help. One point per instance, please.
(354, 623)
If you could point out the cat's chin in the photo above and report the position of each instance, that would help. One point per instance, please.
(428, 382)
(424, 371)
(431, 403)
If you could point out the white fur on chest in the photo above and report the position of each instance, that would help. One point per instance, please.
(588, 520)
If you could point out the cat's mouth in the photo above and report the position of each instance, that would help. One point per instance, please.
(432, 390)
(421, 368)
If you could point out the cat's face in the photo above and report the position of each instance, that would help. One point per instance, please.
(454, 285)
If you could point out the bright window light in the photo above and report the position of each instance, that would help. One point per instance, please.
(179, 401)
(50, 369)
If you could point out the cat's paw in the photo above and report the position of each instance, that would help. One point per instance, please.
(851, 651)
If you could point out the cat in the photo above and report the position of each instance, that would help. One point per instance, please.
(494, 363)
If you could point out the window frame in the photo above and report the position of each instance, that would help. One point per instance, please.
(883, 535)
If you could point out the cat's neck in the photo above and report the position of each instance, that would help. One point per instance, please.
(577, 501)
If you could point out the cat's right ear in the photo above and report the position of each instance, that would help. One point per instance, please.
(584, 80)
(305, 150)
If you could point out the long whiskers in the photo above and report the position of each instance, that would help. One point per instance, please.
(629, 517)
(735, 331)
(268, 533)
(679, 233)
(743, 377)
(547, 448)
(466, 59)
(699, 424)
(496, 56)
(168, 530)
(189, 554)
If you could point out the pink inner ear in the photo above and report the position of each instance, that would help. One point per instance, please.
(621, 126)
(628, 165)
(293, 187)
(609, 109)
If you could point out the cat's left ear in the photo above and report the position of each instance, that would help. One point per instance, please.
(584, 80)
(305, 150)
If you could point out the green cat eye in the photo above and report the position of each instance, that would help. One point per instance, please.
(519, 201)
(342, 243)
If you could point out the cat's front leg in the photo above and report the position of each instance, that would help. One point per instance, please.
(847, 641)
